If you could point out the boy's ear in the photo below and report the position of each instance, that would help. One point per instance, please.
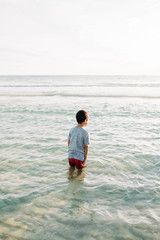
(85, 120)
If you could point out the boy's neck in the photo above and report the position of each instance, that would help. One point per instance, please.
(80, 125)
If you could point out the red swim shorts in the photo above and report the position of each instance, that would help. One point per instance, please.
(76, 163)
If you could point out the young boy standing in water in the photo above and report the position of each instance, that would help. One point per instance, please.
(78, 141)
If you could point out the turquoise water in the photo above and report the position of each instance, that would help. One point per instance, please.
(117, 196)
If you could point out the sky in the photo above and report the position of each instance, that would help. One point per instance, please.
(86, 37)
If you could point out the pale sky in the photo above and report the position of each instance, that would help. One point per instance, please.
(80, 37)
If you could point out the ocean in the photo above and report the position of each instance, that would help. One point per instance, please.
(117, 196)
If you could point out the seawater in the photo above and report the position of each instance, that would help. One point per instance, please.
(117, 196)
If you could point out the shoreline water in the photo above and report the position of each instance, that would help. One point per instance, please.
(119, 191)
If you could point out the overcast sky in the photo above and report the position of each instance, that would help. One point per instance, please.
(80, 37)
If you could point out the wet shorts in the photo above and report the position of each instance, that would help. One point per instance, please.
(76, 163)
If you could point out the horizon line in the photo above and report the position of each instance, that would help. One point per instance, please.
(155, 75)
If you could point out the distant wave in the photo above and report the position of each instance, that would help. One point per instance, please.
(79, 95)
(104, 95)
(105, 85)
(97, 89)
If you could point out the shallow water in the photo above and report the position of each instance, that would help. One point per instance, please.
(117, 196)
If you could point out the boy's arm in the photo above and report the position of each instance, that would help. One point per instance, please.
(68, 143)
(85, 154)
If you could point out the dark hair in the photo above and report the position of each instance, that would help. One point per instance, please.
(81, 116)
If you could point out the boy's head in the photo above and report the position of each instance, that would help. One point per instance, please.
(81, 116)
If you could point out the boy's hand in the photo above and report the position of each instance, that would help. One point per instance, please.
(85, 153)
(84, 162)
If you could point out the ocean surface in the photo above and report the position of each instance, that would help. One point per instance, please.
(117, 196)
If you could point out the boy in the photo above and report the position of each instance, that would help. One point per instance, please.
(78, 141)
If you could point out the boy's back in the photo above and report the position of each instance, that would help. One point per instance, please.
(78, 138)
